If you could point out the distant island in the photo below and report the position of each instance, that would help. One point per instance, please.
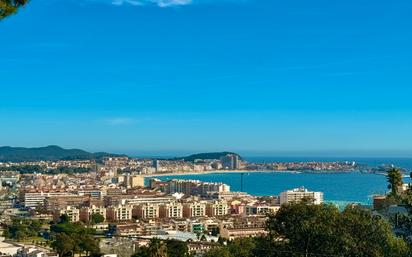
(48, 153)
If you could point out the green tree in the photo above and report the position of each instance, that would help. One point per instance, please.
(89, 245)
(308, 230)
(21, 229)
(96, 218)
(176, 248)
(242, 247)
(80, 235)
(218, 252)
(156, 248)
(141, 252)
(7, 234)
(64, 219)
(215, 231)
(394, 178)
(366, 235)
(64, 245)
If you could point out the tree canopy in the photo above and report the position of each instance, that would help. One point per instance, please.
(168, 248)
(8, 7)
(73, 238)
(96, 218)
(307, 230)
(21, 229)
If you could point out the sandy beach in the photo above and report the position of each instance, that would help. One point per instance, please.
(216, 172)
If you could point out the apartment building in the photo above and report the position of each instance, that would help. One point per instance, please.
(119, 213)
(146, 211)
(171, 210)
(194, 209)
(217, 208)
(297, 194)
(194, 187)
(261, 209)
(34, 199)
(233, 233)
(72, 212)
(87, 212)
(133, 200)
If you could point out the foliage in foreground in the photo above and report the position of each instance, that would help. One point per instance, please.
(303, 230)
(168, 248)
(8, 7)
(73, 238)
(22, 229)
(308, 230)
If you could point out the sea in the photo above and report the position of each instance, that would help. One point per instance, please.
(338, 188)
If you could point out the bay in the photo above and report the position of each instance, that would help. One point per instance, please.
(339, 188)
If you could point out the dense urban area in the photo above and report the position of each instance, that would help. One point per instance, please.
(116, 206)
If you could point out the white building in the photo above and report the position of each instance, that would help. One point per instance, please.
(171, 210)
(194, 209)
(297, 194)
(119, 213)
(34, 199)
(217, 208)
(261, 209)
(72, 212)
(34, 252)
(148, 200)
(146, 211)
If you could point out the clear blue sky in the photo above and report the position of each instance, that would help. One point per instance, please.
(176, 76)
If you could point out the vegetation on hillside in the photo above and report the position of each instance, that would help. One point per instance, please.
(30, 169)
(205, 156)
(48, 153)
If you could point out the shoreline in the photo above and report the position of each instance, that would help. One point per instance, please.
(246, 171)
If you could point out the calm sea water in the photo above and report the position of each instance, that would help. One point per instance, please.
(339, 188)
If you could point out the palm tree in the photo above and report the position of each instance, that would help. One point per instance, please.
(394, 180)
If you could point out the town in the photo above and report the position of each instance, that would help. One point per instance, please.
(120, 205)
(121, 201)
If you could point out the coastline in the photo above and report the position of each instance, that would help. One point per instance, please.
(213, 172)
(339, 187)
(243, 171)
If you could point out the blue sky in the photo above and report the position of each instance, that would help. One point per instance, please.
(177, 76)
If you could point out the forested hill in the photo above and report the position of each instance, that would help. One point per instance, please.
(48, 153)
(205, 156)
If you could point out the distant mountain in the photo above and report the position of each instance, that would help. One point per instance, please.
(205, 156)
(48, 153)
